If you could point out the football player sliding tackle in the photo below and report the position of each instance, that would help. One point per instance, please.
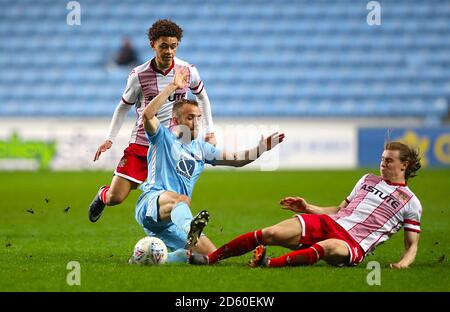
(176, 158)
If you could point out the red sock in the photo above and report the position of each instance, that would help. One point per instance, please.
(102, 194)
(306, 256)
(237, 246)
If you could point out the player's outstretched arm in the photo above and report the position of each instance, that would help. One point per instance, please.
(411, 247)
(299, 205)
(242, 158)
(151, 123)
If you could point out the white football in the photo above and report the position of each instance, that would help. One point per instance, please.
(149, 250)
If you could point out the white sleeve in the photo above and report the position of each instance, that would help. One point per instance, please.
(129, 97)
(412, 215)
(198, 89)
(205, 107)
(355, 190)
(132, 90)
(117, 120)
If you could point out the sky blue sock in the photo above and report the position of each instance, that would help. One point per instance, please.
(178, 256)
(181, 215)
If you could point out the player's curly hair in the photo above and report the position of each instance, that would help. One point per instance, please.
(408, 154)
(164, 28)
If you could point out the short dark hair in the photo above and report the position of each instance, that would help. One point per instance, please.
(179, 104)
(164, 28)
(408, 154)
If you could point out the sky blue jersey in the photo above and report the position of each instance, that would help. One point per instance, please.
(173, 165)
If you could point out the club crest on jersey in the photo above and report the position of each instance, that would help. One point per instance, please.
(122, 162)
(186, 167)
(401, 196)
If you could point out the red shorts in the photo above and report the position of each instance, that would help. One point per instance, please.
(316, 228)
(133, 164)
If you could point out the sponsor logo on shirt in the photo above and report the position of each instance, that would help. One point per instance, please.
(389, 199)
(177, 96)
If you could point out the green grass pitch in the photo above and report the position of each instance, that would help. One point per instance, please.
(40, 234)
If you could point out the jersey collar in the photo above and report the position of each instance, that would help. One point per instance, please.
(164, 73)
(394, 184)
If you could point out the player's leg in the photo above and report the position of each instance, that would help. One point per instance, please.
(204, 246)
(130, 172)
(175, 239)
(119, 190)
(287, 234)
(175, 207)
(333, 251)
(336, 251)
(326, 241)
(181, 255)
(236, 247)
(110, 196)
(146, 214)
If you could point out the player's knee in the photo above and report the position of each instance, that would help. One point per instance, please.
(271, 236)
(172, 201)
(186, 199)
(179, 199)
(334, 248)
(329, 250)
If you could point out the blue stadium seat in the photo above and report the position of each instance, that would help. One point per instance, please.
(307, 58)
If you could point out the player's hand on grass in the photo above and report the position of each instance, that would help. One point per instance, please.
(398, 265)
(102, 148)
(295, 204)
(180, 80)
(266, 144)
(211, 138)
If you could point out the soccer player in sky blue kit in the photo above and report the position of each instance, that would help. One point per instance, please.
(176, 159)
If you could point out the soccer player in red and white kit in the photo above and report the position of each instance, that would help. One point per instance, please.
(144, 83)
(377, 208)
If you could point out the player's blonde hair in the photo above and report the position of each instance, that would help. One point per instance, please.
(408, 154)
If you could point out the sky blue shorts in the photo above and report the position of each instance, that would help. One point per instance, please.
(147, 216)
